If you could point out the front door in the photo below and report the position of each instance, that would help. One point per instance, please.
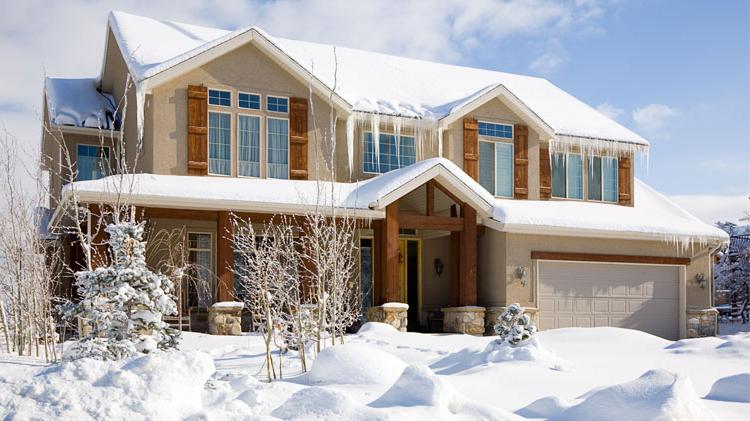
(409, 258)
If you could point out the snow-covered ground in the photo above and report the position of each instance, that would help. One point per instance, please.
(570, 374)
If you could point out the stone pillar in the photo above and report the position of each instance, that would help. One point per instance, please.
(394, 314)
(493, 312)
(225, 318)
(702, 322)
(468, 320)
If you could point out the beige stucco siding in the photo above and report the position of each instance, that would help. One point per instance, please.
(435, 288)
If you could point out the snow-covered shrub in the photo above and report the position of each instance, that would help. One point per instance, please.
(513, 326)
(123, 303)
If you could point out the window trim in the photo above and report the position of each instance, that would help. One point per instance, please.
(512, 129)
(260, 101)
(97, 146)
(261, 153)
(208, 144)
(208, 97)
(288, 147)
(364, 132)
(494, 165)
(288, 104)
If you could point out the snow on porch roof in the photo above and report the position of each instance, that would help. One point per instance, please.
(372, 82)
(76, 102)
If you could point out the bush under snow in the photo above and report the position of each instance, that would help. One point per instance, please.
(513, 326)
(355, 364)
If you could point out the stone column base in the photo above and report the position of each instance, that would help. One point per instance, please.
(493, 312)
(468, 320)
(702, 322)
(225, 318)
(394, 314)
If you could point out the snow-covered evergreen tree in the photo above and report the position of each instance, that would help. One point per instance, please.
(124, 302)
(732, 273)
(513, 326)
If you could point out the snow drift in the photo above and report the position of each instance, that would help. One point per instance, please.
(317, 403)
(731, 388)
(355, 364)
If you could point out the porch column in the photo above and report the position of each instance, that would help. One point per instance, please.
(389, 255)
(377, 254)
(455, 241)
(467, 293)
(224, 257)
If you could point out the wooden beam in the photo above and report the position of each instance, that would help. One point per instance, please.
(442, 223)
(609, 258)
(389, 256)
(455, 256)
(200, 215)
(450, 195)
(467, 293)
(224, 257)
(430, 206)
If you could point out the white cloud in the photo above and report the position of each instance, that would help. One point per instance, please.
(546, 63)
(610, 110)
(714, 208)
(653, 116)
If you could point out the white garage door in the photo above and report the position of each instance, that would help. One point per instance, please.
(574, 294)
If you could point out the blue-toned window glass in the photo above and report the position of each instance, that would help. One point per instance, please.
(388, 153)
(250, 101)
(609, 171)
(504, 131)
(594, 178)
(219, 143)
(217, 97)
(278, 104)
(407, 151)
(559, 179)
(370, 164)
(487, 166)
(248, 146)
(93, 162)
(278, 148)
(575, 177)
(391, 155)
(504, 169)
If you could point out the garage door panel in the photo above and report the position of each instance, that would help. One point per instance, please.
(601, 305)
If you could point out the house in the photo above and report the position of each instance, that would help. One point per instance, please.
(477, 188)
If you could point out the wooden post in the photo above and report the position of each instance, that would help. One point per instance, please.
(430, 206)
(225, 257)
(377, 275)
(455, 261)
(467, 293)
(389, 254)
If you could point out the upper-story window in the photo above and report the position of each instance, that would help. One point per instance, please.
(277, 104)
(567, 176)
(496, 158)
(219, 143)
(249, 101)
(278, 148)
(393, 152)
(219, 97)
(248, 145)
(601, 179)
(93, 162)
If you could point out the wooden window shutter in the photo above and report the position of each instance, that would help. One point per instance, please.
(197, 121)
(521, 162)
(298, 138)
(471, 148)
(624, 179)
(545, 174)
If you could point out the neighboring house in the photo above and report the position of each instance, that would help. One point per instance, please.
(480, 188)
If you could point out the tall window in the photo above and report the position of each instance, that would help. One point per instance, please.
(219, 143)
(601, 179)
(219, 97)
(567, 176)
(496, 167)
(278, 148)
(200, 250)
(248, 144)
(93, 162)
(365, 272)
(393, 152)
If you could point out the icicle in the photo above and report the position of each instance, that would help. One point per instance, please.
(140, 99)
(440, 142)
(350, 142)
(375, 127)
(590, 146)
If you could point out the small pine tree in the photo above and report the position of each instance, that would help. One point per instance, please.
(123, 303)
(513, 326)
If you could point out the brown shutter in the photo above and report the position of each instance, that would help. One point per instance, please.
(545, 174)
(197, 121)
(298, 138)
(624, 177)
(521, 162)
(471, 148)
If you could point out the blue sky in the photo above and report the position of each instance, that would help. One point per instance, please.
(675, 71)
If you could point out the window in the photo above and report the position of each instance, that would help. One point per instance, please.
(218, 97)
(248, 144)
(393, 152)
(610, 182)
(277, 104)
(567, 176)
(278, 148)
(365, 273)
(504, 131)
(594, 178)
(93, 162)
(249, 101)
(200, 255)
(601, 179)
(219, 143)
(496, 167)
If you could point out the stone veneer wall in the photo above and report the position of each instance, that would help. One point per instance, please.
(702, 322)
(394, 314)
(468, 320)
(493, 312)
(225, 319)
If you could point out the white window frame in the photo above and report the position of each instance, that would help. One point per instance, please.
(504, 123)
(567, 179)
(617, 179)
(208, 97)
(288, 148)
(261, 152)
(260, 103)
(208, 144)
(288, 104)
(416, 158)
(109, 164)
(601, 180)
(494, 164)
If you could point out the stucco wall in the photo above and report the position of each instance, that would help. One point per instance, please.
(435, 288)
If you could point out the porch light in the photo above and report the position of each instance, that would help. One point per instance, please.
(438, 266)
(700, 279)
(521, 275)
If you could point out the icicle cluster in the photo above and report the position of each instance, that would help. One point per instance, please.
(513, 326)
(123, 303)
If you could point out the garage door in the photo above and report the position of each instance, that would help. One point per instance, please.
(574, 294)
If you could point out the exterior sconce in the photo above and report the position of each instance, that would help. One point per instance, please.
(700, 279)
(438, 266)
(521, 274)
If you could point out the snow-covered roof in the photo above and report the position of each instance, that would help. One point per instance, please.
(78, 103)
(372, 82)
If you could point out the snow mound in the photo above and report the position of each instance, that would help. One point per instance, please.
(355, 364)
(656, 395)
(544, 407)
(323, 404)
(731, 388)
(530, 350)
(737, 345)
(376, 327)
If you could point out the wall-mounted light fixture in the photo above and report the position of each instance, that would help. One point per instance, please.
(438, 266)
(521, 274)
(700, 279)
